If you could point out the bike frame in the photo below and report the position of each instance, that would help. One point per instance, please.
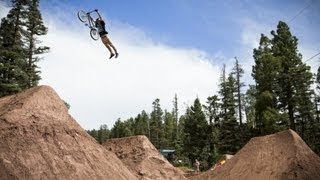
(89, 22)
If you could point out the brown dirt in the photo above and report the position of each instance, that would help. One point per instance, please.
(40, 140)
(143, 159)
(283, 155)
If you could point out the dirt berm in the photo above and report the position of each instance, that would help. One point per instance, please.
(143, 159)
(280, 156)
(40, 140)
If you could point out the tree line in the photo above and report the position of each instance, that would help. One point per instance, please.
(283, 97)
(20, 47)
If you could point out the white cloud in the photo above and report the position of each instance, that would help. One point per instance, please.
(100, 90)
(251, 32)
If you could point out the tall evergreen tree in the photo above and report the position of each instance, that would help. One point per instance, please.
(141, 124)
(314, 130)
(223, 90)
(19, 50)
(175, 113)
(156, 124)
(169, 134)
(317, 95)
(249, 106)
(229, 131)
(12, 56)
(265, 72)
(34, 28)
(212, 110)
(238, 72)
(294, 77)
(195, 133)
(179, 147)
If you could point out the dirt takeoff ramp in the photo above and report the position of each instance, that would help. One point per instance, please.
(40, 140)
(143, 159)
(280, 156)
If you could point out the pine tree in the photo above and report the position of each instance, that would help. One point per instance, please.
(249, 106)
(169, 137)
(317, 95)
(140, 125)
(175, 113)
(265, 72)
(12, 55)
(223, 90)
(156, 124)
(238, 72)
(212, 111)
(19, 47)
(229, 131)
(294, 77)
(34, 28)
(103, 134)
(313, 135)
(196, 133)
(121, 129)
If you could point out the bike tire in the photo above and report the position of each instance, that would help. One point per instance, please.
(94, 34)
(83, 16)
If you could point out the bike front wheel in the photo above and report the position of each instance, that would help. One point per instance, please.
(94, 34)
(83, 16)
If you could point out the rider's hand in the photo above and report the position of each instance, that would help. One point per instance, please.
(96, 10)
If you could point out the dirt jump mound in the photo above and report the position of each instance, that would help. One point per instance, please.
(280, 156)
(40, 140)
(142, 158)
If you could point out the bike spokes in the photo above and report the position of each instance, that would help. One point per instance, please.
(94, 34)
(83, 16)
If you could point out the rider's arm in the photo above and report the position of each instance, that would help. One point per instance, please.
(99, 15)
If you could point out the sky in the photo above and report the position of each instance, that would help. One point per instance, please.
(165, 48)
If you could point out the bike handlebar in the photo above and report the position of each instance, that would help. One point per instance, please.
(96, 10)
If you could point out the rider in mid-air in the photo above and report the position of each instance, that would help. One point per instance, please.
(100, 24)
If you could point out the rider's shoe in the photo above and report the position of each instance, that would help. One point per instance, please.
(111, 56)
(117, 54)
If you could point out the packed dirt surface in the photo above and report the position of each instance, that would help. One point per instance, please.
(143, 159)
(280, 156)
(40, 140)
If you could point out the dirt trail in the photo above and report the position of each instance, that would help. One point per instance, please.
(40, 140)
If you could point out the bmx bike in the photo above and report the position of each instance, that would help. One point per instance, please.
(86, 18)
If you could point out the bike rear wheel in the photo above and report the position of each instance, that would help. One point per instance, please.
(94, 34)
(83, 16)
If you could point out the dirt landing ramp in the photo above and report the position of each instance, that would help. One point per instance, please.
(40, 140)
(280, 156)
(143, 159)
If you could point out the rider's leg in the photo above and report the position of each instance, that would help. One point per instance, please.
(106, 41)
(114, 48)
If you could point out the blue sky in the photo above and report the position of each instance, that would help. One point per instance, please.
(166, 47)
(213, 26)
